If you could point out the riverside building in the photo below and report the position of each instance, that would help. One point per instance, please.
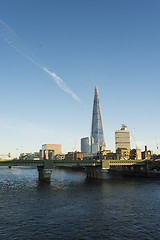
(122, 138)
(86, 144)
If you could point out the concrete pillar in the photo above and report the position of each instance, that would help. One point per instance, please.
(44, 174)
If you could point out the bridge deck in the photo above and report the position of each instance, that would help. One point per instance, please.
(51, 163)
(107, 163)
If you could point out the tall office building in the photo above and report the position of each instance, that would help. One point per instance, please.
(122, 138)
(86, 144)
(97, 127)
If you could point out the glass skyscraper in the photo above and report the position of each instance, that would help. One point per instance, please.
(97, 126)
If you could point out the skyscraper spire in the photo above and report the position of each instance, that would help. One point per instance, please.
(97, 127)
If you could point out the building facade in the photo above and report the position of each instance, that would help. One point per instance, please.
(135, 154)
(97, 127)
(59, 157)
(122, 138)
(74, 156)
(50, 150)
(86, 144)
(146, 154)
(123, 154)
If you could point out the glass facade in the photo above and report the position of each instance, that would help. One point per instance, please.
(97, 126)
(85, 145)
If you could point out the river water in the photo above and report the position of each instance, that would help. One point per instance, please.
(74, 207)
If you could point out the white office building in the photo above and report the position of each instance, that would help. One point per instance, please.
(122, 138)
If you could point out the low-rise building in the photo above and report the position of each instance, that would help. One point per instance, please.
(59, 157)
(74, 155)
(146, 154)
(50, 150)
(155, 157)
(135, 154)
(123, 153)
(29, 156)
(111, 156)
(102, 154)
(90, 156)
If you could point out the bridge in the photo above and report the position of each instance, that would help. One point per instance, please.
(106, 164)
(93, 167)
(112, 166)
(45, 167)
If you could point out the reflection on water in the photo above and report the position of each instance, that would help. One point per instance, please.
(73, 207)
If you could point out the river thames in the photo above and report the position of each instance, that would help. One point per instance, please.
(74, 207)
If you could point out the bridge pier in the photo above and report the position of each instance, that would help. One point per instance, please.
(44, 174)
(93, 172)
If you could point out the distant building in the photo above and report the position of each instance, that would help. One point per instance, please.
(90, 156)
(59, 157)
(123, 153)
(50, 150)
(74, 156)
(94, 147)
(122, 138)
(97, 126)
(146, 154)
(103, 153)
(30, 156)
(135, 154)
(155, 157)
(111, 156)
(86, 144)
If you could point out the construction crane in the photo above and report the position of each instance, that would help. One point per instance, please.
(135, 145)
(134, 141)
(75, 146)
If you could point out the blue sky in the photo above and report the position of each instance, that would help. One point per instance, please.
(114, 44)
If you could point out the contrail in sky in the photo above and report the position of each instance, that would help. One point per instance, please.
(10, 37)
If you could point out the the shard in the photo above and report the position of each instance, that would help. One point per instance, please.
(97, 126)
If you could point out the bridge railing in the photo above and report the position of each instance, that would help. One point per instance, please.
(49, 164)
(107, 163)
(22, 163)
